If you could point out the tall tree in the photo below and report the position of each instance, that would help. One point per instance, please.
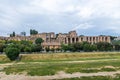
(33, 32)
(104, 46)
(38, 41)
(13, 34)
(23, 33)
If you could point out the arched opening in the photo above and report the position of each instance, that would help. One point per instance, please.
(73, 40)
(77, 40)
(69, 40)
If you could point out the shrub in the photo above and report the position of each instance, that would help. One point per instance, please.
(12, 53)
(39, 41)
(27, 49)
(47, 49)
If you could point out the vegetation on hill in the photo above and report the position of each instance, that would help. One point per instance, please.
(87, 47)
(50, 64)
(29, 46)
(33, 32)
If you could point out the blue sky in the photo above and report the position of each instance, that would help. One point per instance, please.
(87, 17)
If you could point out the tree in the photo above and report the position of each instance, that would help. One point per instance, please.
(77, 46)
(38, 48)
(13, 34)
(12, 53)
(33, 32)
(112, 37)
(2, 46)
(71, 47)
(23, 33)
(104, 46)
(116, 42)
(25, 46)
(52, 49)
(58, 49)
(64, 47)
(24, 42)
(47, 49)
(93, 47)
(27, 49)
(87, 48)
(38, 41)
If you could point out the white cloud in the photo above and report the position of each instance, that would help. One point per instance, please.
(81, 12)
(83, 26)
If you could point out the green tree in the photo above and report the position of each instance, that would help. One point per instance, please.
(23, 33)
(2, 46)
(13, 34)
(64, 47)
(33, 32)
(38, 41)
(38, 48)
(87, 48)
(12, 53)
(53, 50)
(47, 49)
(27, 49)
(104, 46)
(58, 49)
(93, 47)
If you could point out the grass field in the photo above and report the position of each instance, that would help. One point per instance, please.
(50, 64)
(95, 78)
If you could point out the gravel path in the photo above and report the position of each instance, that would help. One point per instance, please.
(60, 75)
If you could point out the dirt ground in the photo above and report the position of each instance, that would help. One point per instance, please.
(59, 75)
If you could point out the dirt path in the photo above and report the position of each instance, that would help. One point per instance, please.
(60, 75)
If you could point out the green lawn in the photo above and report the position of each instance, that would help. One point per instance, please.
(50, 64)
(51, 68)
(69, 56)
(95, 78)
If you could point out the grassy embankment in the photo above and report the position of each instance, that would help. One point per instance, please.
(95, 78)
(50, 64)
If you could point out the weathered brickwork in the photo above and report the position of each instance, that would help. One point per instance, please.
(53, 40)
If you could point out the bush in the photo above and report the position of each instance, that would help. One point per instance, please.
(39, 41)
(47, 49)
(12, 53)
(27, 49)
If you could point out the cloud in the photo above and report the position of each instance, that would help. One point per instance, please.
(83, 26)
(46, 15)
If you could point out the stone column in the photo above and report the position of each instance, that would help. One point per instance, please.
(79, 39)
(99, 39)
(95, 40)
(108, 39)
(75, 40)
(66, 40)
(71, 40)
(84, 38)
(103, 39)
(88, 39)
(92, 40)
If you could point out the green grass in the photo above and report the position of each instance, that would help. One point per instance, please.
(50, 64)
(69, 56)
(94, 78)
(4, 59)
(55, 57)
(51, 68)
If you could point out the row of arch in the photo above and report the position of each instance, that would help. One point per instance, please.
(88, 39)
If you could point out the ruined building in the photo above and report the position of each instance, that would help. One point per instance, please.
(53, 40)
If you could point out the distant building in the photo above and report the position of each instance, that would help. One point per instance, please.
(53, 40)
(118, 38)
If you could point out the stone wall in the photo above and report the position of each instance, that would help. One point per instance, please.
(54, 41)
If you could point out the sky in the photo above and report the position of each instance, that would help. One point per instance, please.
(87, 17)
